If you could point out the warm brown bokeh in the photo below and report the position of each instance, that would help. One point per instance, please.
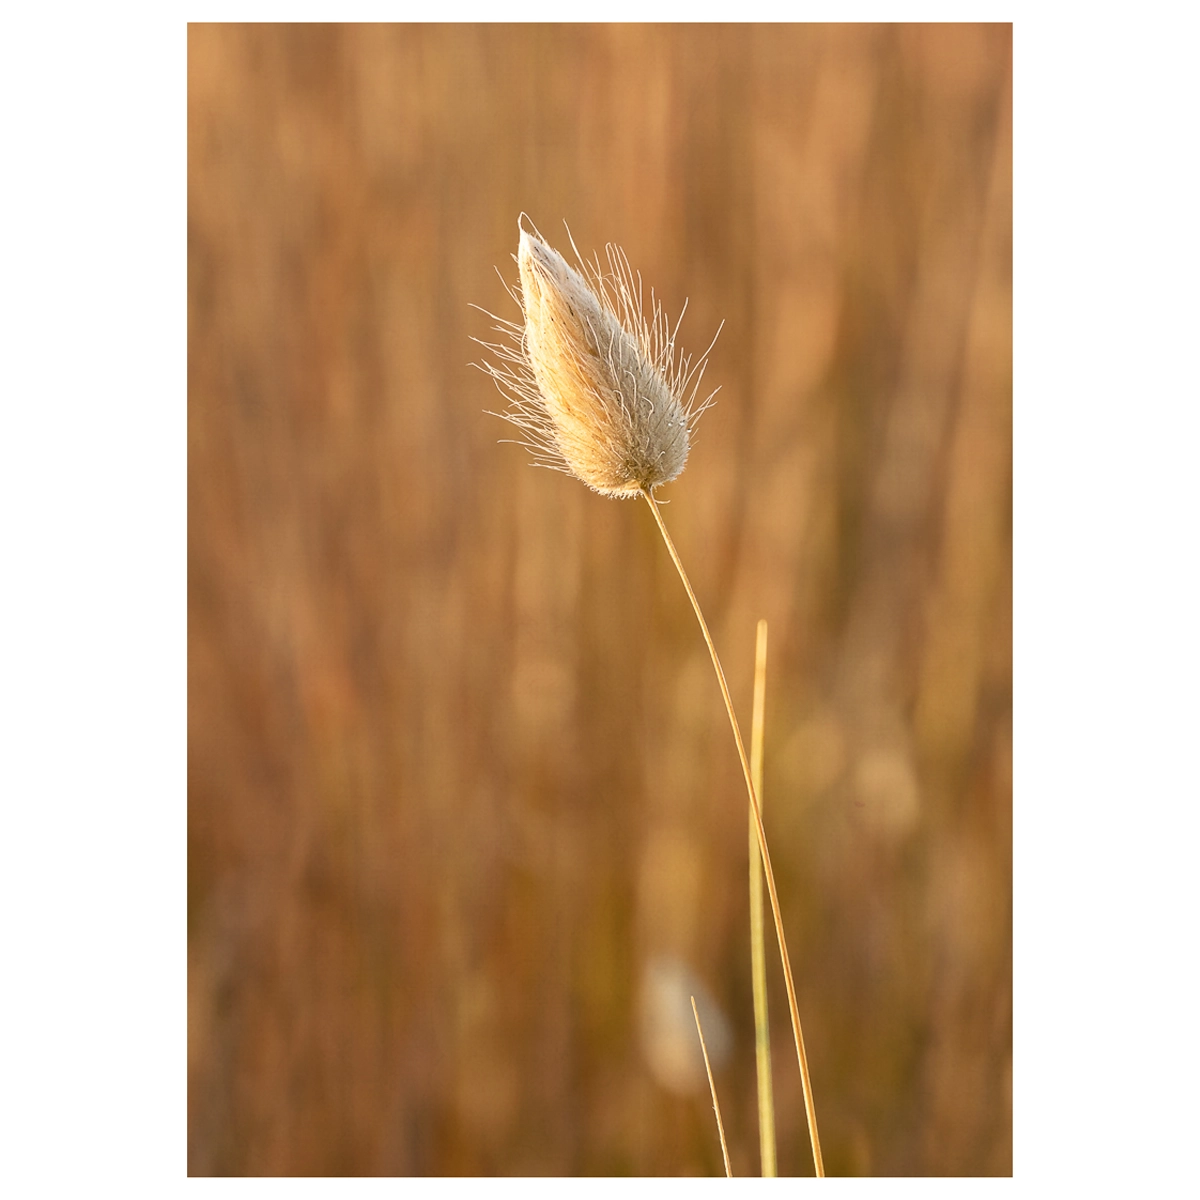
(460, 780)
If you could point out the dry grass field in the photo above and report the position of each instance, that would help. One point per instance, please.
(461, 790)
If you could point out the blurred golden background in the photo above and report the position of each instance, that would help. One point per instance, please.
(465, 816)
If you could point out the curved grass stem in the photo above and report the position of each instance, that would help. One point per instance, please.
(801, 1056)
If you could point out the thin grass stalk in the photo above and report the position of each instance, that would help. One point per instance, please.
(712, 1087)
(758, 957)
(801, 1056)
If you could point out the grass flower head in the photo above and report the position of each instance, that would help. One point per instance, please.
(594, 380)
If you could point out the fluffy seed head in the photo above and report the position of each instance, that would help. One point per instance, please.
(596, 388)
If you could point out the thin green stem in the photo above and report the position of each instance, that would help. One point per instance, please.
(801, 1056)
(758, 957)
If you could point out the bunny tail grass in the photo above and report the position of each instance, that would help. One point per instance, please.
(802, 1057)
(595, 382)
(599, 390)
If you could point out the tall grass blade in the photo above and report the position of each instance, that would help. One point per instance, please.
(712, 1087)
(758, 958)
